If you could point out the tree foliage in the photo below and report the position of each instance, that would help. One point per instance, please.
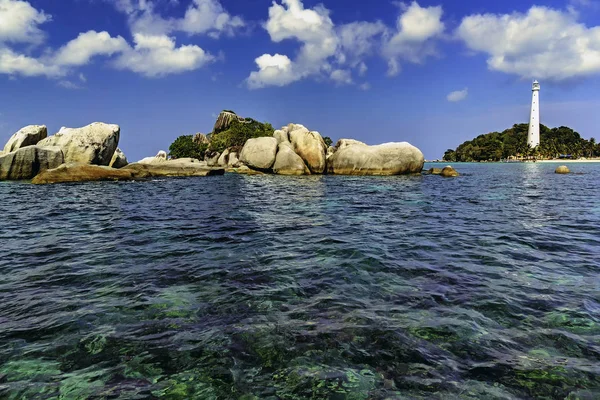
(238, 133)
(184, 146)
(328, 141)
(494, 146)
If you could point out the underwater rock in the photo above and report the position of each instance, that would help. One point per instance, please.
(563, 169)
(449, 172)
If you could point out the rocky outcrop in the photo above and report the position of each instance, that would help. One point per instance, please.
(212, 158)
(282, 135)
(200, 138)
(434, 171)
(160, 157)
(93, 144)
(287, 162)
(244, 170)
(27, 162)
(118, 160)
(225, 119)
(449, 172)
(172, 168)
(383, 159)
(27, 136)
(76, 172)
(563, 169)
(259, 153)
(343, 143)
(310, 146)
(229, 158)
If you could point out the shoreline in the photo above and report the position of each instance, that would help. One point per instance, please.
(596, 160)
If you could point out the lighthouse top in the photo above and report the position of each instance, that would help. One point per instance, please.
(536, 86)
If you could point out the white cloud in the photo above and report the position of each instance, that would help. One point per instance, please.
(82, 78)
(69, 85)
(13, 63)
(209, 16)
(341, 77)
(458, 95)
(543, 43)
(416, 28)
(327, 50)
(79, 51)
(274, 70)
(365, 86)
(157, 55)
(201, 17)
(19, 22)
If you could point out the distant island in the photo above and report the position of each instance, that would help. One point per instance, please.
(511, 144)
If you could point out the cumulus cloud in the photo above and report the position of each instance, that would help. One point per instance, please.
(13, 63)
(331, 51)
(157, 55)
(458, 95)
(201, 17)
(542, 43)
(153, 53)
(79, 51)
(19, 22)
(273, 70)
(413, 41)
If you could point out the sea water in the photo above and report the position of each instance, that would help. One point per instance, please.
(484, 286)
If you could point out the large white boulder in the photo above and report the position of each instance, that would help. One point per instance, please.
(93, 144)
(259, 153)
(27, 162)
(310, 146)
(287, 162)
(384, 159)
(27, 136)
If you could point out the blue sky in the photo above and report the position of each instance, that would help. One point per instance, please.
(431, 73)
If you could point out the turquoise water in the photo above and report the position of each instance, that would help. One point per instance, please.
(324, 287)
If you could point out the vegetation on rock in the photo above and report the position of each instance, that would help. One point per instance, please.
(512, 142)
(238, 133)
(186, 147)
(327, 140)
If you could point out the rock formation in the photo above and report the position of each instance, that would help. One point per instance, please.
(160, 157)
(27, 136)
(93, 144)
(434, 171)
(229, 158)
(27, 162)
(383, 159)
(118, 159)
(563, 169)
(74, 172)
(310, 146)
(259, 153)
(225, 119)
(449, 172)
(200, 138)
(287, 162)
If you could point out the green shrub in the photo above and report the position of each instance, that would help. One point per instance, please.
(184, 147)
(238, 133)
(328, 141)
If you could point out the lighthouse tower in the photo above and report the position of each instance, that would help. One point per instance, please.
(533, 138)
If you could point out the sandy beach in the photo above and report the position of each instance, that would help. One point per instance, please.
(590, 160)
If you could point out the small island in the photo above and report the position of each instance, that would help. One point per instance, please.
(512, 145)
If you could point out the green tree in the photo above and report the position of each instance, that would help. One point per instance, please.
(328, 141)
(184, 146)
(238, 133)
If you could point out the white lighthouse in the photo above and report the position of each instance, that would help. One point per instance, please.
(533, 138)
